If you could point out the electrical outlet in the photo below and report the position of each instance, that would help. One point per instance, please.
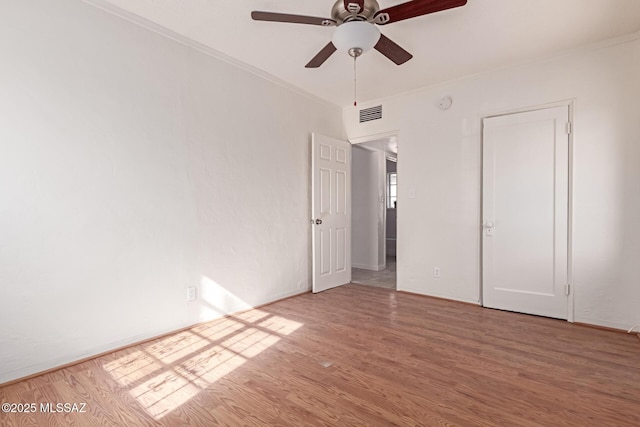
(191, 293)
(436, 272)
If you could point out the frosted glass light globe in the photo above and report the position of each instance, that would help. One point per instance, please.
(355, 34)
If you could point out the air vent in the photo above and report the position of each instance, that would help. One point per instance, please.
(373, 113)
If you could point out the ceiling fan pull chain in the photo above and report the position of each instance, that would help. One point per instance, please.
(355, 83)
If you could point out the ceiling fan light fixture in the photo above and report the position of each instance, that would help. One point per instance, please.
(355, 34)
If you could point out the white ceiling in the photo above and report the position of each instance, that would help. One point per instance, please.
(483, 35)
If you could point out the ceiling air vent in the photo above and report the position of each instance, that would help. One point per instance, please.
(373, 113)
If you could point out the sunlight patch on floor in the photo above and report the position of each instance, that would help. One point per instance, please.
(219, 329)
(132, 367)
(163, 393)
(280, 325)
(177, 346)
(170, 371)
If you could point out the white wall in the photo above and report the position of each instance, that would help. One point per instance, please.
(365, 238)
(440, 162)
(131, 167)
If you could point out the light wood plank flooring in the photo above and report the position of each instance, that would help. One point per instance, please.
(354, 356)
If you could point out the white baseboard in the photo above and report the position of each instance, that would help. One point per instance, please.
(368, 267)
(97, 351)
(604, 323)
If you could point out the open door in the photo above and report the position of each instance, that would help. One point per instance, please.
(331, 210)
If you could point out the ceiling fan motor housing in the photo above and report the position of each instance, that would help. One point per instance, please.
(342, 14)
(357, 21)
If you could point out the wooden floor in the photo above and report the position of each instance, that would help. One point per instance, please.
(355, 355)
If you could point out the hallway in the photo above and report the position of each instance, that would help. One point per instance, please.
(382, 279)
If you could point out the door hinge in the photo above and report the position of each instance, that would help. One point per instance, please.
(567, 289)
(568, 128)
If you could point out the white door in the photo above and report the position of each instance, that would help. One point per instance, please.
(525, 212)
(331, 210)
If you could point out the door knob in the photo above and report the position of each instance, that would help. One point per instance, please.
(318, 221)
(489, 226)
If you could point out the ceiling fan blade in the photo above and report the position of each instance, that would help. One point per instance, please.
(414, 8)
(295, 19)
(322, 56)
(354, 6)
(392, 51)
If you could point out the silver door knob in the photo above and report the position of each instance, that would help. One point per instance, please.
(318, 221)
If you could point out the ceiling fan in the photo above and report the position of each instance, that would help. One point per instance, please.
(356, 22)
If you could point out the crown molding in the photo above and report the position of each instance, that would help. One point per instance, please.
(204, 49)
(602, 44)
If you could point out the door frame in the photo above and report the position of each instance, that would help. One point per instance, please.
(570, 104)
(371, 138)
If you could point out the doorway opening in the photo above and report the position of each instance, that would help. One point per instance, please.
(374, 208)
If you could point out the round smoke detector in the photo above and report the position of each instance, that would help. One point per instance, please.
(445, 103)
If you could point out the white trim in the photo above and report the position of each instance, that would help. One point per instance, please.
(623, 327)
(571, 315)
(602, 44)
(186, 41)
(374, 137)
(368, 267)
(138, 339)
(561, 103)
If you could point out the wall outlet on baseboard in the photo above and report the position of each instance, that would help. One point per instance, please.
(436, 272)
(191, 293)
